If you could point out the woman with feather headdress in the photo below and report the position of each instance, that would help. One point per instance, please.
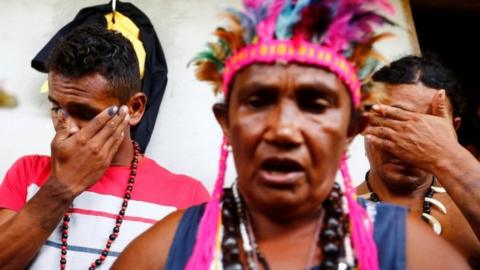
(290, 73)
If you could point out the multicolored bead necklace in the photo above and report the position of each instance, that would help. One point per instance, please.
(120, 216)
(332, 234)
(427, 203)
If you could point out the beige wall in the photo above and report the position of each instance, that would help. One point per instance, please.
(186, 136)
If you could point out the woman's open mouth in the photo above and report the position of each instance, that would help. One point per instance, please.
(281, 171)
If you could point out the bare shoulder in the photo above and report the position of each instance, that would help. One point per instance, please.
(150, 250)
(426, 250)
(457, 230)
(362, 188)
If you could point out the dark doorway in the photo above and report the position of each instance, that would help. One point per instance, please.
(450, 29)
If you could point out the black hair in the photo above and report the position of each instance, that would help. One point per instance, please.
(427, 71)
(93, 49)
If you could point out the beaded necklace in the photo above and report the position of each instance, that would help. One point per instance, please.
(332, 234)
(427, 203)
(116, 228)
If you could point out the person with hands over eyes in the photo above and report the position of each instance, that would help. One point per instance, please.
(80, 207)
(415, 158)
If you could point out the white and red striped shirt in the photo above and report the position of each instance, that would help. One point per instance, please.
(157, 193)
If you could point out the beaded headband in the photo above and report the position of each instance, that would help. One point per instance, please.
(286, 51)
(336, 35)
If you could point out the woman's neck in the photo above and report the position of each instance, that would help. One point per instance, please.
(287, 245)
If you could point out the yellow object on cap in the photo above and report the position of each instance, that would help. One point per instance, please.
(44, 87)
(129, 30)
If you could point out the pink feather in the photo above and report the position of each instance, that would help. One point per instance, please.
(266, 28)
(252, 4)
(343, 30)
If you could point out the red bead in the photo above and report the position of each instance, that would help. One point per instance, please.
(113, 236)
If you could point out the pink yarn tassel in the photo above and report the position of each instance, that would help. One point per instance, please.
(203, 252)
(361, 226)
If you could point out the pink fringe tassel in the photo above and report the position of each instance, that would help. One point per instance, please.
(362, 237)
(361, 226)
(203, 252)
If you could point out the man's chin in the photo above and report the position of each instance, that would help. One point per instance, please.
(402, 169)
(404, 180)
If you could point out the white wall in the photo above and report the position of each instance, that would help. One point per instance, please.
(186, 137)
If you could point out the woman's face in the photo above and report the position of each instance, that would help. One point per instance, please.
(287, 125)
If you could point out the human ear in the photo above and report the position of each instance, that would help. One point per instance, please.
(358, 122)
(457, 121)
(221, 114)
(136, 108)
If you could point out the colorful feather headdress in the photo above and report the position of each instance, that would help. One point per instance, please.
(336, 35)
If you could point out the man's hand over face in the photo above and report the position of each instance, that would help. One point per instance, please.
(80, 157)
(421, 140)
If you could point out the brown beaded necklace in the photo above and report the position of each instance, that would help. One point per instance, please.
(427, 203)
(331, 237)
(120, 216)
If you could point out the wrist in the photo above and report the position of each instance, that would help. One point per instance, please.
(59, 190)
(49, 204)
(454, 157)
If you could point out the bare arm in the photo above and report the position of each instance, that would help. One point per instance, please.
(76, 164)
(429, 142)
(425, 250)
(23, 233)
(150, 250)
(459, 174)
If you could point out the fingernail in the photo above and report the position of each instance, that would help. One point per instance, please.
(376, 107)
(74, 129)
(124, 109)
(127, 117)
(112, 110)
(442, 94)
(62, 114)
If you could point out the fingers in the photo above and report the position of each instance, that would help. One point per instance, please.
(439, 105)
(112, 126)
(380, 142)
(380, 132)
(61, 123)
(377, 121)
(97, 123)
(391, 112)
(115, 140)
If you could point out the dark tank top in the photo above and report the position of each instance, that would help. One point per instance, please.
(389, 234)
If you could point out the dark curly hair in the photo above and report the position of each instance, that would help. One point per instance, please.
(92, 49)
(428, 71)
